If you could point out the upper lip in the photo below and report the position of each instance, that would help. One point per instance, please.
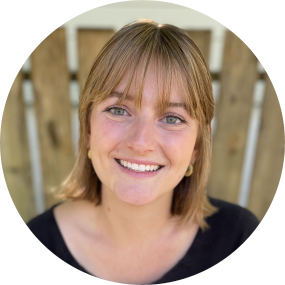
(145, 162)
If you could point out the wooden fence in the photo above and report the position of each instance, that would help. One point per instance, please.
(51, 79)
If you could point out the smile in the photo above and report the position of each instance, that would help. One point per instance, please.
(138, 167)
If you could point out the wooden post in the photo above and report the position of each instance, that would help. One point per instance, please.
(90, 42)
(269, 154)
(15, 152)
(238, 78)
(51, 88)
(202, 39)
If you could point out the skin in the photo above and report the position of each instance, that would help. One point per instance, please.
(128, 133)
(132, 229)
(140, 135)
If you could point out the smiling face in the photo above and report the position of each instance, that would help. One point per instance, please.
(140, 154)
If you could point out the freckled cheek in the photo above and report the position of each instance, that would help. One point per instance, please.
(178, 147)
(107, 133)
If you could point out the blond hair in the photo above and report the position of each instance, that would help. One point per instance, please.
(176, 57)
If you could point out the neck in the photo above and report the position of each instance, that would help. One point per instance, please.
(130, 224)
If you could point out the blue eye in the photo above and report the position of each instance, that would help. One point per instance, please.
(173, 120)
(117, 111)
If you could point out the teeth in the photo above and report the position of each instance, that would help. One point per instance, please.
(135, 166)
(141, 167)
(138, 167)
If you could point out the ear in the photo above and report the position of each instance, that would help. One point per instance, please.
(88, 133)
(88, 140)
(89, 115)
(88, 137)
(195, 152)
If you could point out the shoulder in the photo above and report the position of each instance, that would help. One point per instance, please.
(45, 228)
(232, 220)
(228, 212)
(228, 229)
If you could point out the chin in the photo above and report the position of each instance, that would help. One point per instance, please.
(136, 196)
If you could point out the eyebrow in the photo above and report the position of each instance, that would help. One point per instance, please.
(131, 98)
(119, 95)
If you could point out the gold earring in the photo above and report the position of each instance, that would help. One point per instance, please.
(89, 153)
(189, 170)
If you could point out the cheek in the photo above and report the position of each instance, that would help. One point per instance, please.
(105, 133)
(179, 147)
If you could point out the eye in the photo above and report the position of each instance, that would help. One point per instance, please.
(117, 111)
(173, 120)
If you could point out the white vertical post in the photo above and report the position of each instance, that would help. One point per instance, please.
(251, 144)
(74, 99)
(31, 124)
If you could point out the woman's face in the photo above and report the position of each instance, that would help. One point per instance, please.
(138, 154)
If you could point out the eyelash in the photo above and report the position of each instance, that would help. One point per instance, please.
(167, 115)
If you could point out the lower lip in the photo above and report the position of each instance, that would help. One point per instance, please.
(145, 174)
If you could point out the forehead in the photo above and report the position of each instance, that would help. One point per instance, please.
(151, 88)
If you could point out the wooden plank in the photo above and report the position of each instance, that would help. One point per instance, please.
(51, 89)
(90, 42)
(238, 78)
(269, 154)
(15, 152)
(202, 39)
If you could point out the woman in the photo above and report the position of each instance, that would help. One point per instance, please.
(136, 209)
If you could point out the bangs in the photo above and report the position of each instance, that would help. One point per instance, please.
(132, 54)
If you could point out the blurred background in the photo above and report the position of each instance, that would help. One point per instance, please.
(39, 131)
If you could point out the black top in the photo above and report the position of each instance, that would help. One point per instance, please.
(229, 228)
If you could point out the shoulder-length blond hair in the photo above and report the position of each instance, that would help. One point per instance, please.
(176, 57)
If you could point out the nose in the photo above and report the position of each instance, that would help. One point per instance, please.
(141, 136)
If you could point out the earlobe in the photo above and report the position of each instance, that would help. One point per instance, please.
(195, 152)
(194, 155)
